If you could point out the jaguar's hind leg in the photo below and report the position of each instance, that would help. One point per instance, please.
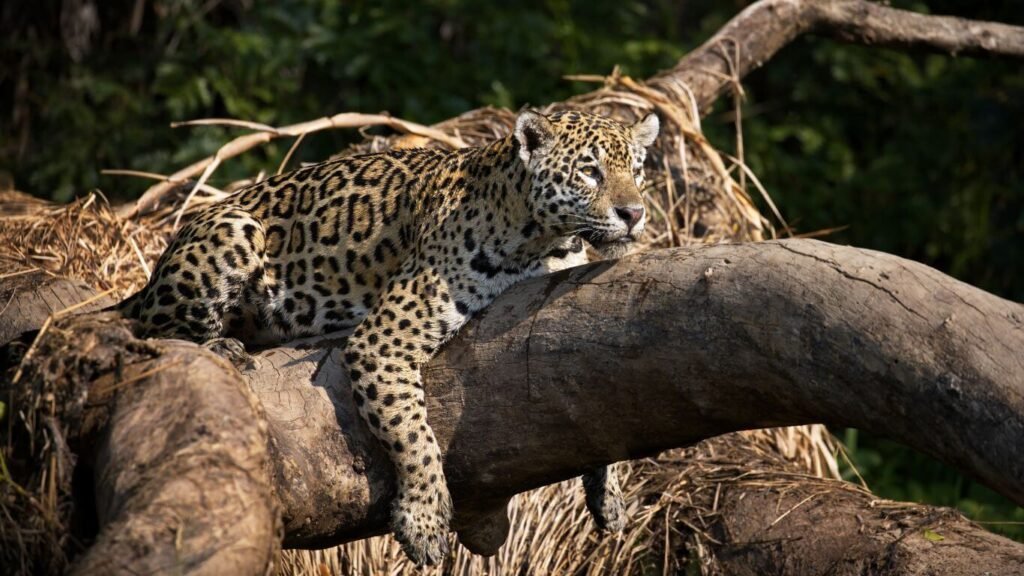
(232, 350)
(604, 498)
(201, 277)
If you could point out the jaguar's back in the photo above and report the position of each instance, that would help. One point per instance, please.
(301, 253)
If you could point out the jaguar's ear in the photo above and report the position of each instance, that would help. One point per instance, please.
(534, 133)
(645, 132)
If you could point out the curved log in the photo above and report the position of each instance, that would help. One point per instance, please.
(180, 466)
(618, 360)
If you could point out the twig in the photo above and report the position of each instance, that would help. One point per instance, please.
(162, 178)
(288, 156)
(797, 505)
(18, 273)
(764, 193)
(259, 127)
(241, 144)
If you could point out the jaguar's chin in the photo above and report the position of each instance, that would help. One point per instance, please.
(608, 248)
(613, 250)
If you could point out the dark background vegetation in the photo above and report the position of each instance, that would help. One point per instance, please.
(916, 154)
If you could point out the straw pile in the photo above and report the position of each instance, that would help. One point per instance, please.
(692, 197)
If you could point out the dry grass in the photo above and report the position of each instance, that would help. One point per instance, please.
(85, 240)
(671, 502)
(692, 198)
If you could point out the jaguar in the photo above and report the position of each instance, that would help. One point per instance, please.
(403, 247)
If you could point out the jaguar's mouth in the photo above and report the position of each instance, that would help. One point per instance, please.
(599, 240)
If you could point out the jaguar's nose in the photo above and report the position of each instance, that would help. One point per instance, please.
(630, 215)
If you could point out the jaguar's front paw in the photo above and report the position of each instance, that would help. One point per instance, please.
(420, 522)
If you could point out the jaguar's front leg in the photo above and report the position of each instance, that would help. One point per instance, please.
(383, 358)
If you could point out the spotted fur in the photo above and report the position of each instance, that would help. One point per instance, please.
(404, 246)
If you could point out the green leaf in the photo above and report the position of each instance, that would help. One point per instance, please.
(933, 536)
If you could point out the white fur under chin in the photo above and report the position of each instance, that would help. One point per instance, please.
(611, 250)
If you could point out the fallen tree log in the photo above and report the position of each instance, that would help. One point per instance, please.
(29, 299)
(618, 361)
(593, 365)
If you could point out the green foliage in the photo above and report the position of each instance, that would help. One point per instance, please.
(284, 62)
(920, 155)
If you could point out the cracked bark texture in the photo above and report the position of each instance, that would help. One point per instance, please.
(763, 514)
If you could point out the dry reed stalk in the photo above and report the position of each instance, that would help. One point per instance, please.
(205, 167)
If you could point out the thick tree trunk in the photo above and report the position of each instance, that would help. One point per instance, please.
(593, 365)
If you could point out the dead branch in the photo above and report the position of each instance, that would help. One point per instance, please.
(203, 168)
(755, 35)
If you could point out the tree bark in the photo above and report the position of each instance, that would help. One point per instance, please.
(596, 364)
(27, 300)
(180, 466)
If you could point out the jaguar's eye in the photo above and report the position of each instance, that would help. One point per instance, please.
(589, 172)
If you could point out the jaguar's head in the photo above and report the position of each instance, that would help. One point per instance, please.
(586, 173)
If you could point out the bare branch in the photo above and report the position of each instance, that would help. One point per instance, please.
(862, 22)
(203, 168)
(755, 35)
